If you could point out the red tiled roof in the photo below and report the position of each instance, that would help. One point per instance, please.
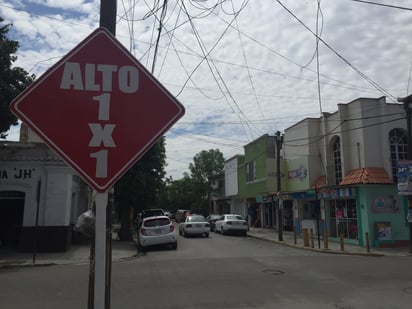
(367, 175)
(320, 182)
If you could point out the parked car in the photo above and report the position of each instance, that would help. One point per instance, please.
(157, 230)
(230, 223)
(194, 225)
(212, 221)
(149, 213)
(181, 214)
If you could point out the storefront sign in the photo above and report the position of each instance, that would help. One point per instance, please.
(409, 217)
(383, 231)
(404, 175)
(16, 173)
(384, 204)
(299, 173)
(338, 192)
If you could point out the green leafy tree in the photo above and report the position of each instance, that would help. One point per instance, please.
(140, 188)
(205, 169)
(13, 80)
(181, 194)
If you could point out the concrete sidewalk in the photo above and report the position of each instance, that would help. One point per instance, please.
(319, 246)
(123, 250)
(77, 254)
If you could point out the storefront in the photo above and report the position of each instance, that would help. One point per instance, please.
(373, 212)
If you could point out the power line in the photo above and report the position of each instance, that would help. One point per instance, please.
(385, 5)
(332, 131)
(364, 76)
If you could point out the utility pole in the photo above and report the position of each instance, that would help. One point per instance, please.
(318, 214)
(407, 105)
(279, 141)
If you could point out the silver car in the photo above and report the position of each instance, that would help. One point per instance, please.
(229, 223)
(194, 225)
(157, 230)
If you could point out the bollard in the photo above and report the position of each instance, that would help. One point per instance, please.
(294, 237)
(342, 245)
(368, 249)
(312, 242)
(325, 239)
(305, 237)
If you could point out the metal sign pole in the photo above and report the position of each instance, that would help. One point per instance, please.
(100, 251)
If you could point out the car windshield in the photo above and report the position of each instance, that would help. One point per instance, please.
(157, 222)
(195, 219)
(234, 217)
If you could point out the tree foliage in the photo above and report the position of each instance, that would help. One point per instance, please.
(13, 80)
(193, 190)
(181, 194)
(206, 166)
(140, 188)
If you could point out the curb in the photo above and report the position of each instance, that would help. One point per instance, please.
(25, 264)
(13, 265)
(326, 251)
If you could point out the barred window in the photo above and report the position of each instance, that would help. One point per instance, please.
(337, 160)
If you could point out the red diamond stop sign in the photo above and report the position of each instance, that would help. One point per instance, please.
(99, 109)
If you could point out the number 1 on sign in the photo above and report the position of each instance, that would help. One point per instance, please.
(101, 163)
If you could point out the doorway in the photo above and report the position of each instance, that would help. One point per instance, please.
(11, 217)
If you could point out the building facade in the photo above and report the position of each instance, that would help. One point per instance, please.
(341, 171)
(337, 175)
(40, 196)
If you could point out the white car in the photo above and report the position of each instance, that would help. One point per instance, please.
(157, 230)
(194, 225)
(231, 224)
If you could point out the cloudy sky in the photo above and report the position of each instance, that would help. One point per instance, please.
(241, 68)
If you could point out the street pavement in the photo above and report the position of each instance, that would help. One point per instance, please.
(124, 250)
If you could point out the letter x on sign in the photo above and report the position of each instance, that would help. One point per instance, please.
(99, 109)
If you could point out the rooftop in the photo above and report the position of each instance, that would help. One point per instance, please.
(366, 175)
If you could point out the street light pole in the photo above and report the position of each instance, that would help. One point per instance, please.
(407, 105)
(279, 141)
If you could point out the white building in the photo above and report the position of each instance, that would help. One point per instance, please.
(237, 205)
(40, 196)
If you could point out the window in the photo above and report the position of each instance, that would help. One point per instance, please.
(343, 218)
(251, 171)
(398, 142)
(337, 162)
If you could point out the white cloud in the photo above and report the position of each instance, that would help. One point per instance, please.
(225, 110)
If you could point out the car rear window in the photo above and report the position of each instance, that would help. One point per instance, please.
(153, 212)
(157, 222)
(196, 219)
(234, 217)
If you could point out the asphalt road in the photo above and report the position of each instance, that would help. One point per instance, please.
(222, 272)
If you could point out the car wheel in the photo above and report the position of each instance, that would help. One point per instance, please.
(206, 235)
(174, 245)
(222, 231)
(180, 232)
(245, 233)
